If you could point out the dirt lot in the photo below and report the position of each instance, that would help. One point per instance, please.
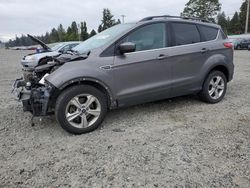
(180, 142)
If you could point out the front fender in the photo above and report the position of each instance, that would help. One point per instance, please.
(79, 70)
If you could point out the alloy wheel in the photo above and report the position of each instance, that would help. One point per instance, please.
(216, 87)
(83, 110)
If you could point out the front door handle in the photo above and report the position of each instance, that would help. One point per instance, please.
(106, 67)
(162, 56)
(204, 50)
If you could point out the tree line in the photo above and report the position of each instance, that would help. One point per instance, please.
(207, 9)
(236, 25)
(210, 10)
(74, 32)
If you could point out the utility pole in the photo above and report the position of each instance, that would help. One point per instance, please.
(247, 18)
(123, 16)
(79, 32)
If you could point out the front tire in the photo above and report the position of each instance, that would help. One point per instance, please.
(214, 87)
(81, 109)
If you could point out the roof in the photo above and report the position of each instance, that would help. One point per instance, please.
(178, 18)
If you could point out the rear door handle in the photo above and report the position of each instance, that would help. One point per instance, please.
(204, 50)
(162, 56)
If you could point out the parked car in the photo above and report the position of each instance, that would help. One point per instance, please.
(45, 54)
(242, 44)
(156, 58)
(248, 48)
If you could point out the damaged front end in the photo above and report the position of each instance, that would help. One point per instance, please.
(37, 95)
(34, 99)
(33, 91)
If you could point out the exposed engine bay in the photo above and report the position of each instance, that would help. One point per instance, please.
(33, 91)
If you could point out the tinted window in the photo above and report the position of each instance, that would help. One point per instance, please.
(209, 33)
(148, 37)
(224, 36)
(185, 33)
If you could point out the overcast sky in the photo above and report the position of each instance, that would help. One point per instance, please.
(38, 16)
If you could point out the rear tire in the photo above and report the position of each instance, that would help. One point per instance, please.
(81, 109)
(214, 87)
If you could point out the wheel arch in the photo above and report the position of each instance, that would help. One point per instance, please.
(44, 58)
(87, 81)
(221, 68)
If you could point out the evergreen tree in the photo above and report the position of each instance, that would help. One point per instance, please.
(46, 37)
(222, 21)
(53, 36)
(74, 27)
(68, 34)
(206, 9)
(107, 20)
(234, 25)
(61, 33)
(100, 29)
(92, 33)
(72, 32)
(17, 42)
(242, 17)
(84, 31)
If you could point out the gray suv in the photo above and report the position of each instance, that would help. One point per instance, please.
(156, 58)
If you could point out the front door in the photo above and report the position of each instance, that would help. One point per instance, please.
(143, 75)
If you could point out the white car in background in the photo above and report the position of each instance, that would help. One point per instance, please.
(47, 51)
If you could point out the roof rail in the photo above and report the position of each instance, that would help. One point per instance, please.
(180, 17)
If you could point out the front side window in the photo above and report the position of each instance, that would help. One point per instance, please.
(148, 37)
(185, 33)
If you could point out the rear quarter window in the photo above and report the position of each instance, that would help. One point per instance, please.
(208, 33)
(224, 36)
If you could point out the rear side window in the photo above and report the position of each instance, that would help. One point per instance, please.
(185, 33)
(209, 33)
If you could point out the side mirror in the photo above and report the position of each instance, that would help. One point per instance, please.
(127, 47)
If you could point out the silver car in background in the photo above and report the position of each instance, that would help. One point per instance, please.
(48, 51)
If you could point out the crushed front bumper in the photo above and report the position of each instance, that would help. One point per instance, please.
(34, 100)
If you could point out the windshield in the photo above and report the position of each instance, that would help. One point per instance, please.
(56, 46)
(102, 38)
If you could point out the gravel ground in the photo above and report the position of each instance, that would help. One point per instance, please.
(180, 142)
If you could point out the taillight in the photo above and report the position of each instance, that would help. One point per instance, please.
(228, 45)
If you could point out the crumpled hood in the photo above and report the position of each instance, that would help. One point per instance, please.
(66, 57)
(41, 55)
(45, 47)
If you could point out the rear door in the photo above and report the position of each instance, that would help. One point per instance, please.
(143, 75)
(187, 56)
